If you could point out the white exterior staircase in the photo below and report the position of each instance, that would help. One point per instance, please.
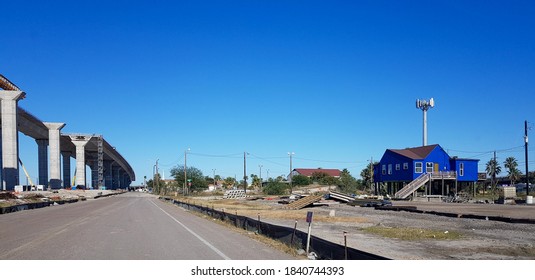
(412, 186)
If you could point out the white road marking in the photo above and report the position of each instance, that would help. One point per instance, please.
(195, 234)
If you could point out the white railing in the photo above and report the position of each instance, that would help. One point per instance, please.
(444, 175)
(412, 186)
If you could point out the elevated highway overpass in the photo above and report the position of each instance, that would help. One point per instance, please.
(108, 167)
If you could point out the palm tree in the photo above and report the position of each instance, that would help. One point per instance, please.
(514, 173)
(493, 168)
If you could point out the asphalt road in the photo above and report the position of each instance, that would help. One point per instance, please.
(131, 226)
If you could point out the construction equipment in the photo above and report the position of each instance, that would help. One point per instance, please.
(26, 173)
(100, 162)
(74, 179)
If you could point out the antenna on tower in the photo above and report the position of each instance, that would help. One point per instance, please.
(424, 105)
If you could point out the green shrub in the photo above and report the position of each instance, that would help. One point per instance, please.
(275, 188)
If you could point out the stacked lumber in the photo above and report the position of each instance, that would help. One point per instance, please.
(304, 202)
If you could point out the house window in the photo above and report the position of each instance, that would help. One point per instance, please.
(429, 167)
(405, 165)
(418, 167)
(383, 168)
(398, 166)
(390, 169)
(461, 169)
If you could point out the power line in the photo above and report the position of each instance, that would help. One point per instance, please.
(327, 161)
(173, 163)
(217, 156)
(487, 152)
(270, 161)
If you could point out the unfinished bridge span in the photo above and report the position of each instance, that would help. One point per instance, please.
(109, 169)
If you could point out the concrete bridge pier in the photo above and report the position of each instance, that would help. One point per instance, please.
(79, 142)
(123, 180)
(117, 177)
(1, 163)
(66, 169)
(55, 152)
(127, 181)
(42, 158)
(108, 174)
(93, 165)
(10, 139)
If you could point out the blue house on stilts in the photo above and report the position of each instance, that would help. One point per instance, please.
(426, 170)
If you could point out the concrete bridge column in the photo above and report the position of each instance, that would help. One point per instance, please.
(108, 174)
(10, 139)
(114, 171)
(94, 173)
(42, 158)
(117, 178)
(66, 169)
(123, 181)
(122, 178)
(55, 151)
(1, 163)
(80, 142)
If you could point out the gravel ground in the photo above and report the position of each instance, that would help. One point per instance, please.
(480, 239)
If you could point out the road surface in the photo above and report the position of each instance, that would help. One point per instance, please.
(131, 226)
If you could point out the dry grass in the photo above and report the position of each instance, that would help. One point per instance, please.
(275, 244)
(5, 204)
(412, 233)
(254, 209)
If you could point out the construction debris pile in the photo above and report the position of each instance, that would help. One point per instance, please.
(13, 201)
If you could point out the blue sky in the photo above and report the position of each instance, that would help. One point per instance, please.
(333, 81)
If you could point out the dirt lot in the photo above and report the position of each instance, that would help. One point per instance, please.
(404, 235)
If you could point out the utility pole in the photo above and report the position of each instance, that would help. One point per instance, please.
(494, 172)
(215, 184)
(244, 173)
(260, 176)
(291, 171)
(153, 177)
(526, 150)
(156, 177)
(371, 173)
(186, 189)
